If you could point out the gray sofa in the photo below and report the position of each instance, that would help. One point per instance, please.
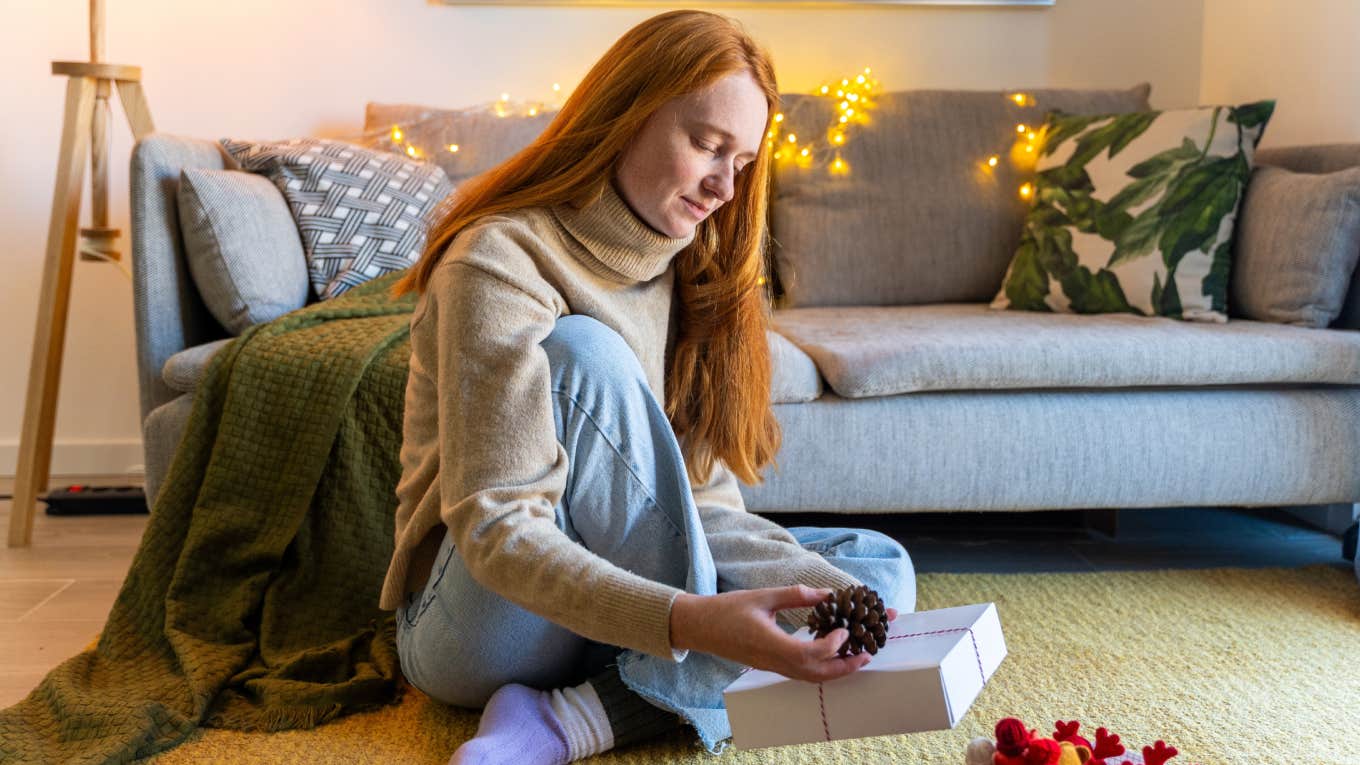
(933, 405)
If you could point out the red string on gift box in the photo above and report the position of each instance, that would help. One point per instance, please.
(826, 727)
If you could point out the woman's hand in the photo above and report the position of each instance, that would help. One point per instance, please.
(740, 626)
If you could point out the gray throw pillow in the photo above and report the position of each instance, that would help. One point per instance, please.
(242, 247)
(917, 218)
(362, 213)
(1297, 244)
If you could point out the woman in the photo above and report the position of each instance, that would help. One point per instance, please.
(557, 527)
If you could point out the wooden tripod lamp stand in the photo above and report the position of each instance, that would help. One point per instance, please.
(87, 122)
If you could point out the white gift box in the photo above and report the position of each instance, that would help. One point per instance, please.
(924, 678)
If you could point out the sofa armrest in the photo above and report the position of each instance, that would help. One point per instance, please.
(168, 312)
(1322, 158)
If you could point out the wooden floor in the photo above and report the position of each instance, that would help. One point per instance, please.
(55, 595)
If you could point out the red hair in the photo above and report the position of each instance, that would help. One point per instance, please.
(718, 382)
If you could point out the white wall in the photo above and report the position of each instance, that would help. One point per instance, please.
(260, 69)
(1302, 53)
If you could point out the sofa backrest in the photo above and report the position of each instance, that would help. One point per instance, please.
(919, 217)
(1322, 158)
(484, 140)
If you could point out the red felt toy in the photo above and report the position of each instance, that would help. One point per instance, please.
(1019, 745)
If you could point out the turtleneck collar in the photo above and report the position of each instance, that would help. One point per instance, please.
(620, 241)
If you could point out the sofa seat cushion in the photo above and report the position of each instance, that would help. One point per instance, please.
(884, 350)
(793, 375)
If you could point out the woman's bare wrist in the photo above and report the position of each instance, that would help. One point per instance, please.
(682, 618)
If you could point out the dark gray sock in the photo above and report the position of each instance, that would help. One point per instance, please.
(631, 717)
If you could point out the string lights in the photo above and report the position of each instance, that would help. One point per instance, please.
(502, 107)
(1025, 150)
(854, 102)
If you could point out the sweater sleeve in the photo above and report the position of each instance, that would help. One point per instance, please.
(502, 471)
(751, 552)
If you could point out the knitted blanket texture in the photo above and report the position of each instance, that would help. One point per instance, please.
(252, 601)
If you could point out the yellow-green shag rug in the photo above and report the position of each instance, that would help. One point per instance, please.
(1228, 665)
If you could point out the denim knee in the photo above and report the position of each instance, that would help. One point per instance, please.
(901, 571)
(585, 347)
(873, 557)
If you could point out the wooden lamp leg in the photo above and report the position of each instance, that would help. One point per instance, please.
(35, 449)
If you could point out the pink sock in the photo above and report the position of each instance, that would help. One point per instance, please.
(518, 726)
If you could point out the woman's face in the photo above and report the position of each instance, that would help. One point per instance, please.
(682, 164)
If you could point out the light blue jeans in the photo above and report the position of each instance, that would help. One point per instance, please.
(628, 500)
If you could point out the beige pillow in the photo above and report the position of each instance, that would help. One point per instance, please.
(1298, 241)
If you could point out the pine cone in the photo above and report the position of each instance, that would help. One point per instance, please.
(858, 609)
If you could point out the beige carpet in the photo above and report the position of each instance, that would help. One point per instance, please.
(1228, 665)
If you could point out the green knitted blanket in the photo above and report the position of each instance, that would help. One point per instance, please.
(252, 602)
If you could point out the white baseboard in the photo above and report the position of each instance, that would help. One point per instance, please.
(81, 457)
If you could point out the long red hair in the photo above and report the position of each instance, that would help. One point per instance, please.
(718, 382)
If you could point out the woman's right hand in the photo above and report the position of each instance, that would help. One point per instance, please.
(740, 626)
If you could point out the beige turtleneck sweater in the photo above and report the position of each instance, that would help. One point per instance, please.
(479, 452)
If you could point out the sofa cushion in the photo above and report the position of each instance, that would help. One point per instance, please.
(1296, 247)
(242, 247)
(885, 350)
(919, 217)
(1135, 213)
(484, 138)
(362, 213)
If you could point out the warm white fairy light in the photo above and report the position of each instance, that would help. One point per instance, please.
(1032, 139)
(850, 102)
(503, 107)
(852, 97)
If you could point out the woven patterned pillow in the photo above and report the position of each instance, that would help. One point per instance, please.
(361, 213)
(1135, 212)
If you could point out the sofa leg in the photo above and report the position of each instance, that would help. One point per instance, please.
(1102, 520)
(1334, 518)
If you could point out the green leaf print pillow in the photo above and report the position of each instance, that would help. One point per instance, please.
(1134, 212)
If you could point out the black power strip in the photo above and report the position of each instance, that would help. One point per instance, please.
(79, 499)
